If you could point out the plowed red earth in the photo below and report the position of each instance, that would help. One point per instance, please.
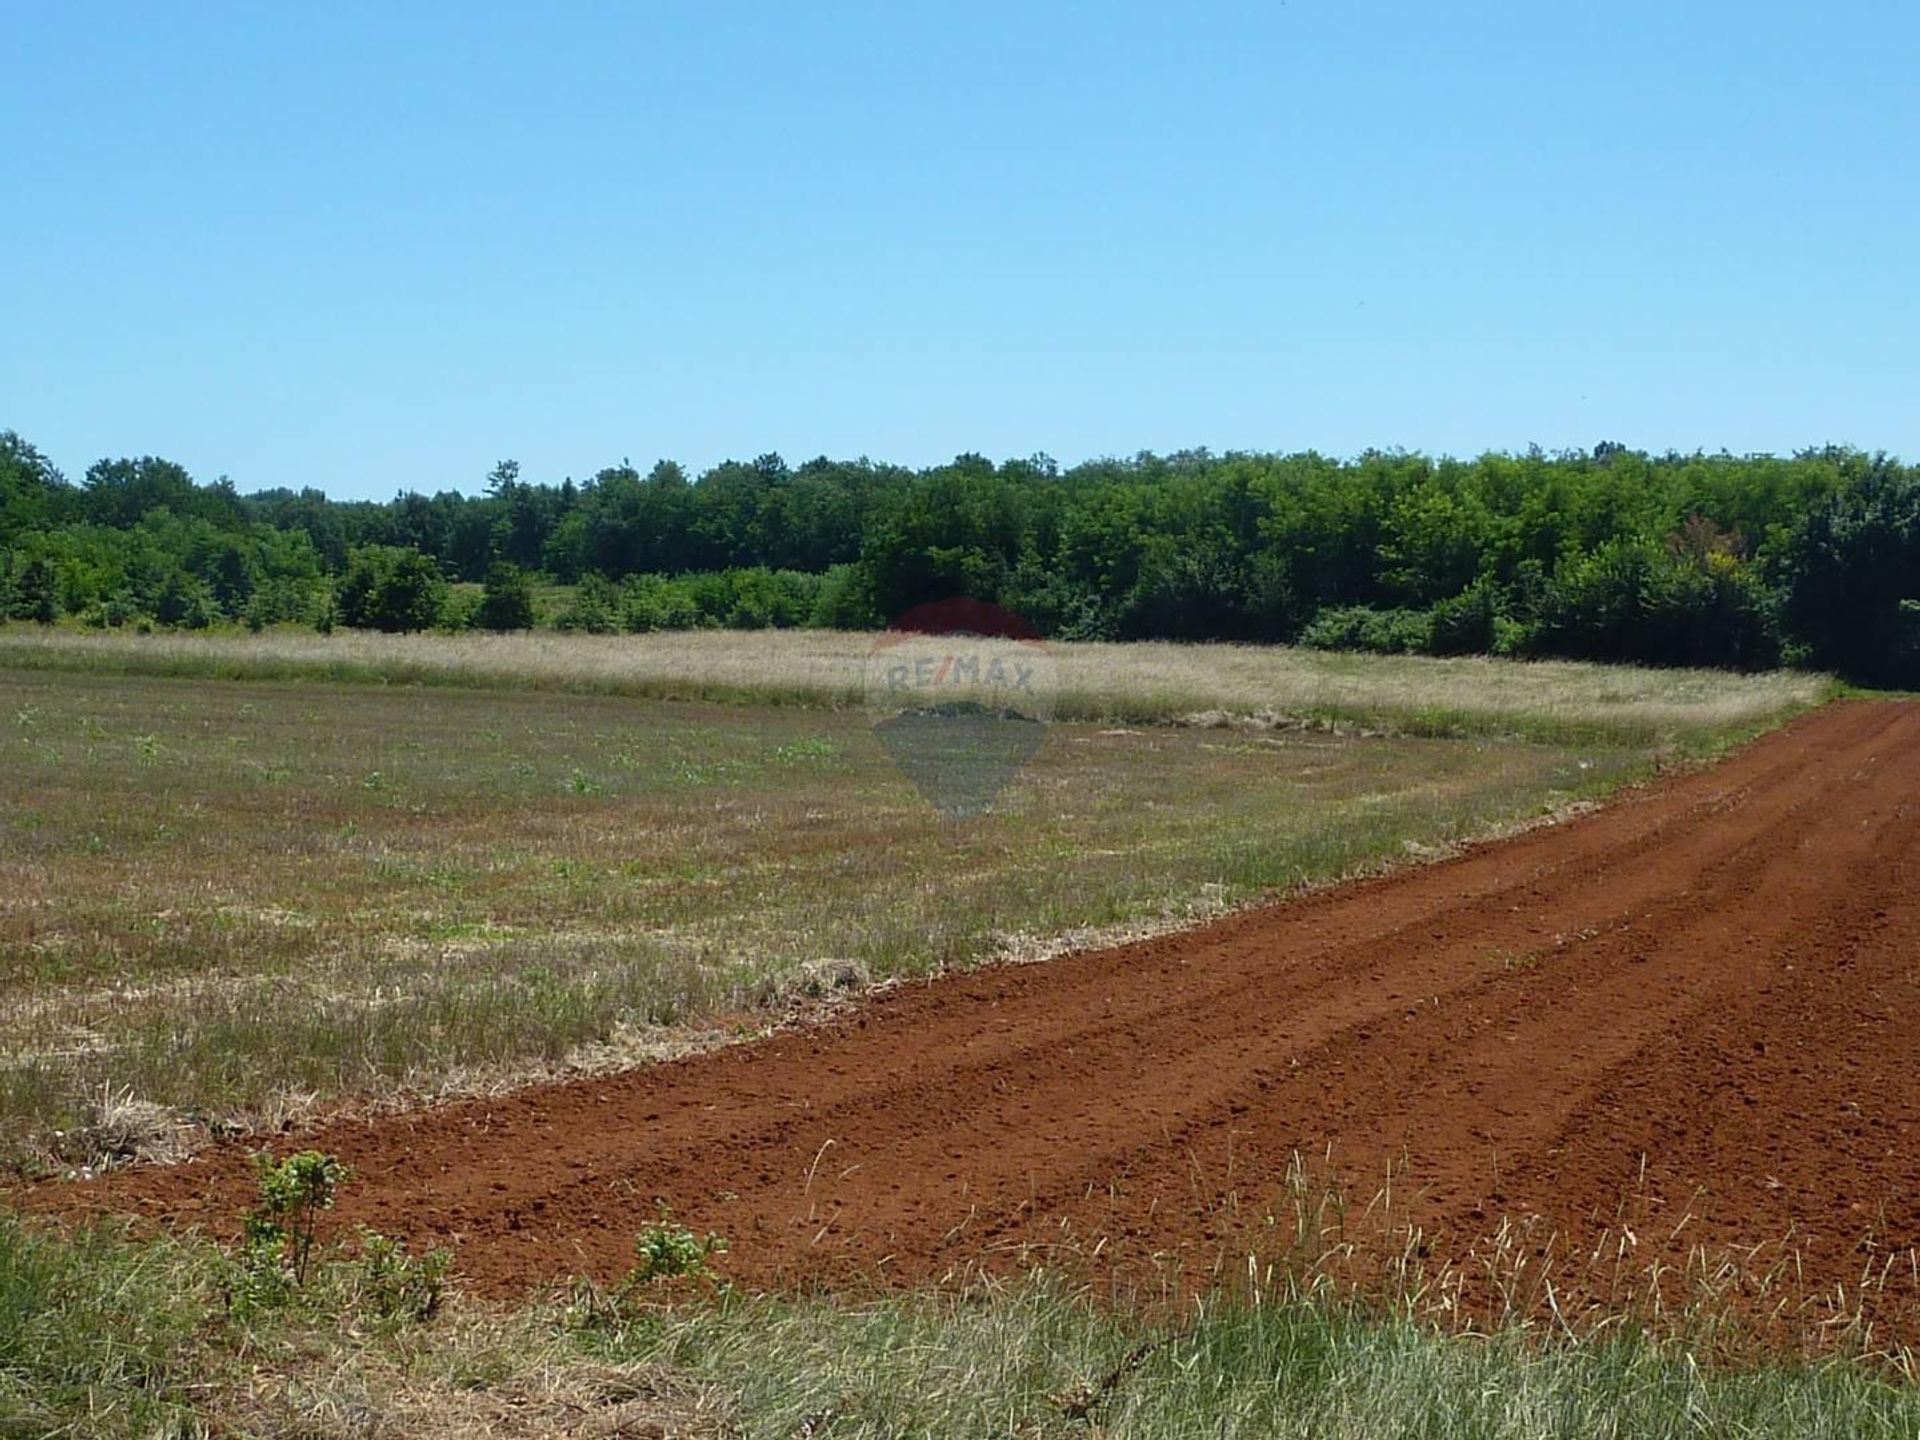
(1701, 1001)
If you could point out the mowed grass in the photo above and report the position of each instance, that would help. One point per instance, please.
(230, 897)
(1556, 701)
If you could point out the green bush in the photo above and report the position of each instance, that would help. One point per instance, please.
(1378, 632)
(1852, 579)
(1654, 605)
(1467, 624)
(844, 601)
(396, 1286)
(282, 1228)
(33, 592)
(654, 602)
(387, 587)
(506, 602)
(594, 609)
(186, 603)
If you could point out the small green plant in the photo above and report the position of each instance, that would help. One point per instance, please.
(399, 1286)
(1521, 961)
(664, 1253)
(812, 747)
(581, 783)
(669, 1251)
(278, 1248)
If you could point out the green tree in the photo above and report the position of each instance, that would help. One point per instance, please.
(1852, 570)
(32, 492)
(35, 592)
(120, 493)
(594, 609)
(389, 588)
(184, 601)
(507, 601)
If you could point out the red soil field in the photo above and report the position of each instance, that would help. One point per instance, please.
(1699, 1003)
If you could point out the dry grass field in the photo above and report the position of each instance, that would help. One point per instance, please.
(1134, 683)
(226, 898)
(248, 876)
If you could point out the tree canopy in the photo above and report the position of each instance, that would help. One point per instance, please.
(1608, 554)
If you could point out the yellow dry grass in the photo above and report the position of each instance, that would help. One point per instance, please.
(1098, 682)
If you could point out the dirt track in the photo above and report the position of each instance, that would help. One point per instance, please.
(1719, 974)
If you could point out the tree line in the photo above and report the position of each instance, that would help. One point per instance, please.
(1614, 554)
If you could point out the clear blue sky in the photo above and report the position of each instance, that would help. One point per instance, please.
(370, 247)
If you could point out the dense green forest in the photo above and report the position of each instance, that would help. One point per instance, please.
(1719, 560)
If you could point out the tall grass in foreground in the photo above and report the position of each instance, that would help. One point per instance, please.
(1032, 1359)
(102, 1337)
(1143, 682)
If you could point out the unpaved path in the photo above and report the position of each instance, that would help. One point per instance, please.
(1701, 1001)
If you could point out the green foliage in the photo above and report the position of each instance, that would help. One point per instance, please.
(667, 1256)
(844, 601)
(32, 593)
(507, 601)
(1678, 604)
(33, 495)
(749, 599)
(1378, 632)
(184, 602)
(97, 1335)
(655, 602)
(398, 1287)
(954, 531)
(595, 608)
(1852, 579)
(1672, 559)
(386, 587)
(669, 1251)
(1467, 623)
(121, 493)
(280, 1231)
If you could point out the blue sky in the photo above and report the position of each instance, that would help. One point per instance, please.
(382, 246)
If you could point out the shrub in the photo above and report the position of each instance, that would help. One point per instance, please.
(594, 609)
(281, 1229)
(35, 592)
(654, 602)
(506, 602)
(1361, 627)
(1465, 624)
(387, 587)
(1639, 602)
(844, 600)
(185, 602)
(1852, 579)
(665, 1254)
(397, 1286)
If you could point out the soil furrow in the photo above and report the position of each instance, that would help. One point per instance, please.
(1700, 1000)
